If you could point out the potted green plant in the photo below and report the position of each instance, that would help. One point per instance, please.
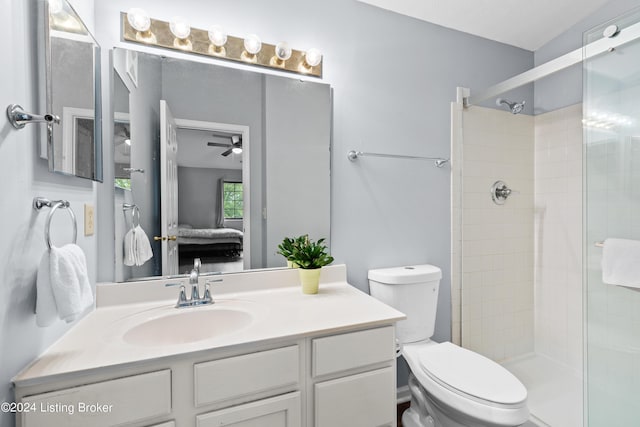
(311, 257)
(287, 246)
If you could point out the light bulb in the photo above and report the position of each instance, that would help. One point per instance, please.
(127, 141)
(217, 36)
(55, 7)
(313, 57)
(252, 44)
(236, 150)
(283, 51)
(139, 19)
(180, 27)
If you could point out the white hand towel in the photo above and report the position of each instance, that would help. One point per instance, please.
(129, 253)
(621, 262)
(142, 246)
(70, 281)
(46, 310)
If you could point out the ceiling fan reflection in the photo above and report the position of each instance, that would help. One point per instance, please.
(234, 147)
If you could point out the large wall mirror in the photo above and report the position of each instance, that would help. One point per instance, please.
(71, 71)
(214, 163)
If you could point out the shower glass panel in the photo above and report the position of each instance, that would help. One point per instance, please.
(612, 210)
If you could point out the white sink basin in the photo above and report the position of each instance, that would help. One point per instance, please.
(182, 326)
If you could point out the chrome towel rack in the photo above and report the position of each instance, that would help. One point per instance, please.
(41, 202)
(438, 161)
(135, 212)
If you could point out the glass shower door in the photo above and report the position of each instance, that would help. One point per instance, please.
(612, 210)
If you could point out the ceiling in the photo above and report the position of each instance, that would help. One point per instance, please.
(193, 151)
(525, 24)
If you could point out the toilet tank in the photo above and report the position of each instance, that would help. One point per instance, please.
(412, 290)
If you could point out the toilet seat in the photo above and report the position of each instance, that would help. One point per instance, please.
(471, 374)
(468, 382)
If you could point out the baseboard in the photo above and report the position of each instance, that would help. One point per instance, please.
(403, 394)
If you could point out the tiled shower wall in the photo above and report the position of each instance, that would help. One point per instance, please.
(558, 236)
(497, 303)
(521, 262)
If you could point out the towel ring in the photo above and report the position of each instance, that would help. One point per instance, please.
(135, 212)
(40, 202)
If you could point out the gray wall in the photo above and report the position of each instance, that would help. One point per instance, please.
(198, 190)
(565, 87)
(23, 176)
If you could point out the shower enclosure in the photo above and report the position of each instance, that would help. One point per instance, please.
(531, 196)
(612, 210)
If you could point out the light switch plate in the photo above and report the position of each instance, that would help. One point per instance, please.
(89, 220)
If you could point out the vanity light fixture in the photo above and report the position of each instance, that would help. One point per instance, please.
(252, 46)
(215, 42)
(218, 38)
(141, 22)
(283, 53)
(181, 29)
(312, 57)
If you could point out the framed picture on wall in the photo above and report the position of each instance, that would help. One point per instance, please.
(132, 66)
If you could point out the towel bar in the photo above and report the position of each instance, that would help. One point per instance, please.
(40, 202)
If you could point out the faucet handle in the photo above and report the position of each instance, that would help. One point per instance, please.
(206, 299)
(182, 298)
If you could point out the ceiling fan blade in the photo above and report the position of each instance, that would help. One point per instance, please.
(218, 144)
(226, 153)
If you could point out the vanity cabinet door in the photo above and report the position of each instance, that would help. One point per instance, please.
(363, 400)
(280, 411)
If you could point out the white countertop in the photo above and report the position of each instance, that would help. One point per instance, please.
(97, 342)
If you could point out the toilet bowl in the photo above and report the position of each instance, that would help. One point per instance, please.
(462, 388)
(450, 386)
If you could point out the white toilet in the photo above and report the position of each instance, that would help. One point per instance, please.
(450, 386)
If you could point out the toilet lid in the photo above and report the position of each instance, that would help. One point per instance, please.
(470, 373)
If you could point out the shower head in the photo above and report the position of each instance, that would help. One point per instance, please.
(514, 107)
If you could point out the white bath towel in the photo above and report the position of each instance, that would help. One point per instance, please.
(621, 262)
(70, 281)
(62, 285)
(129, 248)
(46, 310)
(143, 252)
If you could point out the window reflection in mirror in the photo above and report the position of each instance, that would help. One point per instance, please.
(234, 162)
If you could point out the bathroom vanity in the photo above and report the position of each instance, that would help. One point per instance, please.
(264, 355)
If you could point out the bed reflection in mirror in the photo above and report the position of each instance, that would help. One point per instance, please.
(220, 163)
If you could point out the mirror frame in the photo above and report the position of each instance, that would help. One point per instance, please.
(46, 100)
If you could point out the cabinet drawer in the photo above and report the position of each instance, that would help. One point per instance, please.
(245, 375)
(281, 411)
(125, 400)
(353, 350)
(362, 400)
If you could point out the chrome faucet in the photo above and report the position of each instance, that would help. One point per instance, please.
(195, 299)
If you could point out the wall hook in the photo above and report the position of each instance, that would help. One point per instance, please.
(19, 118)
